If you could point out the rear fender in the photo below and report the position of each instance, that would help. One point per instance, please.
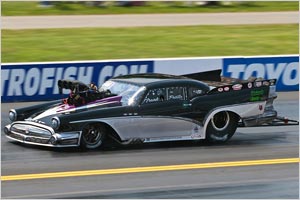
(241, 110)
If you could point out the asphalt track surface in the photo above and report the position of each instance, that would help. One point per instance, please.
(138, 20)
(260, 162)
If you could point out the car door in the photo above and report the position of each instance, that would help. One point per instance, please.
(162, 111)
(198, 108)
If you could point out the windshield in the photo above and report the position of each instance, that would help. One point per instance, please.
(125, 90)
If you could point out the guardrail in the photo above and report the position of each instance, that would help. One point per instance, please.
(38, 81)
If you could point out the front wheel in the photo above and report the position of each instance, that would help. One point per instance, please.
(93, 136)
(221, 127)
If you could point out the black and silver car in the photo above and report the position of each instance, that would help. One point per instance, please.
(146, 108)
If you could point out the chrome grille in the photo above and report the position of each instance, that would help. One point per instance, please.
(30, 130)
(16, 136)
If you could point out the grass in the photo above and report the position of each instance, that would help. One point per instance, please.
(69, 8)
(147, 42)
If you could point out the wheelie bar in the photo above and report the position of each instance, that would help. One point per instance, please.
(278, 121)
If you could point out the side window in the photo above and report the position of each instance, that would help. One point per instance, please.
(155, 95)
(193, 92)
(175, 93)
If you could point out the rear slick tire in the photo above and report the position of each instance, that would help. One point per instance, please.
(221, 127)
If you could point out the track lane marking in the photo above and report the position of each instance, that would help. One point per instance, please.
(149, 169)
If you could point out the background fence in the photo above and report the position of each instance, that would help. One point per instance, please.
(38, 81)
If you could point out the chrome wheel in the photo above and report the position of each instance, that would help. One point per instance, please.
(221, 126)
(93, 136)
(220, 121)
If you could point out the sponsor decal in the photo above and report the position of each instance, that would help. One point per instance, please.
(196, 129)
(256, 95)
(250, 85)
(237, 87)
(220, 89)
(196, 133)
(174, 97)
(266, 83)
(226, 89)
(258, 84)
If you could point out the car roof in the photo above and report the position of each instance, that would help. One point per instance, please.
(155, 79)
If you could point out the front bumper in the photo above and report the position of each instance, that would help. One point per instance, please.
(39, 134)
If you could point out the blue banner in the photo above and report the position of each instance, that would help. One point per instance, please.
(284, 69)
(38, 82)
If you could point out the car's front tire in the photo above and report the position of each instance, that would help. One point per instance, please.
(221, 127)
(93, 136)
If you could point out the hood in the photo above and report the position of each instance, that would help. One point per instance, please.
(61, 109)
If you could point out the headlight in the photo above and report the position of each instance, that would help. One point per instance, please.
(53, 140)
(12, 115)
(55, 123)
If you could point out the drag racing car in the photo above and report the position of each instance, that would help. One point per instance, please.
(144, 108)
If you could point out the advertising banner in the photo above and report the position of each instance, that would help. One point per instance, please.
(181, 66)
(37, 82)
(283, 68)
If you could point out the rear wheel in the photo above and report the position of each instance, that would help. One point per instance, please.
(93, 136)
(221, 127)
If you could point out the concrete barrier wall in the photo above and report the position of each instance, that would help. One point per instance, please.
(38, 81)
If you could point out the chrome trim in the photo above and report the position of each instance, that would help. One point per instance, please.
(34, 120)
(169, 139)
(15, 113)
(7, 128)
(48, 144)
(30, 130)
(40, 144)
(34, 124)
(224, 127)
(61, 137)
(272, 91)
(58, 122)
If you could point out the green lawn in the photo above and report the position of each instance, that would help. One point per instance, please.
(147, 42)
(68, 8)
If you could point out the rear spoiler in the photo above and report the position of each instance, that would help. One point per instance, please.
(214, 75)
(246, 85)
